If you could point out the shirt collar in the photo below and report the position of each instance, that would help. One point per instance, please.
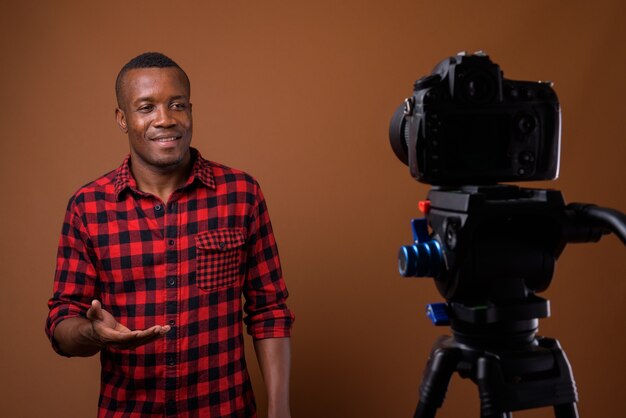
(201, 171)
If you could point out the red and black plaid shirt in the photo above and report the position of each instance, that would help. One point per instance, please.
(185, 263)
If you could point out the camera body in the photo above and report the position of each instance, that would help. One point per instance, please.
(467, 124)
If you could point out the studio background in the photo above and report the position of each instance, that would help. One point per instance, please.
(300, 95)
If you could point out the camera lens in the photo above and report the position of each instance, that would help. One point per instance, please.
(397, 134)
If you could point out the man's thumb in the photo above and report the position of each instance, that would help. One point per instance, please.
(95, 311)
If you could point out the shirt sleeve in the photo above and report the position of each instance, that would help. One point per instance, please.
(267, 314)
(75, 276)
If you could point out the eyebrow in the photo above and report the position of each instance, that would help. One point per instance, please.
(151, 99)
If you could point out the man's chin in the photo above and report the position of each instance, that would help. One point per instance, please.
(169, 164)
(163, 160)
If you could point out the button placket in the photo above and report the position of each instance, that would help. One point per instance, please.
(172, 290)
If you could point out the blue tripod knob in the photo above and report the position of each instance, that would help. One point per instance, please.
(438, 313)
(422, 259)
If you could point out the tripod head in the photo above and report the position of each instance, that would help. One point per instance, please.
(492, 248)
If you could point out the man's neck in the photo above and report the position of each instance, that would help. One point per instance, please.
(160, 182)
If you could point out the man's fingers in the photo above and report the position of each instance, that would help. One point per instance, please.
(155, 331)
(160, 329)
(140, 339)
(149, 335)
(135, 338)
(146, 336)
(111, 336)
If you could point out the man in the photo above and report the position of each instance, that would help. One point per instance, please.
(152, 263)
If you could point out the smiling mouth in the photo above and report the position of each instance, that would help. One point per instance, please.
(166, 139)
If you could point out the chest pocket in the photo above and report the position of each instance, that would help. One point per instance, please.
(218, 258)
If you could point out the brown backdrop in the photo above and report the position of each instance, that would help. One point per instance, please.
(300, 94)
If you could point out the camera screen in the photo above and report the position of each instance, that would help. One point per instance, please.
(477, 143)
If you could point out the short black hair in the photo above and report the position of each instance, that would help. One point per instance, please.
(146, 60)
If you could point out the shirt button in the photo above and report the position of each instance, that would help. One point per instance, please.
(222, 244)
(170, 242)
(172, 322)
(171, 281)
(158, 208)
(171, 361)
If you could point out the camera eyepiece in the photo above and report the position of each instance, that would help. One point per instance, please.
(479, 88)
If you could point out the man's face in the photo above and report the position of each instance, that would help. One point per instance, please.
(155, 112)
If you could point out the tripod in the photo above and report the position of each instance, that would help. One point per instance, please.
(492, 248)
(513, 369)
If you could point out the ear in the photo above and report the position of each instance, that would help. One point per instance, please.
(120, 117)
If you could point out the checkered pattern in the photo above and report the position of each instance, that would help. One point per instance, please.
(185, 263)
(218, 258)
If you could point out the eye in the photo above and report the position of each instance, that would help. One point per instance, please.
(178, 106)
(145, 108)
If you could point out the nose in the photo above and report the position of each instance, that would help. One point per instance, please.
(164, 118)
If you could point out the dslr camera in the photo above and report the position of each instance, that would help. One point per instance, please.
(467, 124)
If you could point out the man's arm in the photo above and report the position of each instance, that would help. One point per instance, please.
(84, 337)
(268, 319)
(77, 325)
(274, 356)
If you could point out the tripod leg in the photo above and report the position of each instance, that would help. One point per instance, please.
(441, 364)
(425, 411)
(488, 376)
(566, 410)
